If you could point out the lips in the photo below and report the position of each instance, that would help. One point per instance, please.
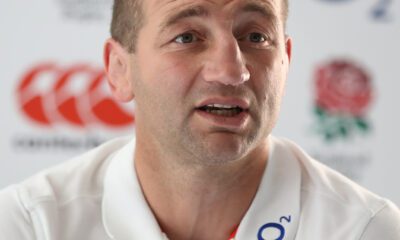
(227, 107)
(222, 109)
(231, 112)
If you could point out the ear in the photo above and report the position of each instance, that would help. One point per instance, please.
(288, 44)
(117, 68)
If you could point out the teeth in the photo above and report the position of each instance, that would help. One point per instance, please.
(222, 109)
(222, 106)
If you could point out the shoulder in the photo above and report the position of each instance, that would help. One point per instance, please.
(15, 223)
(385, 224)
(76, 185)
(80, 176)
(329, 198)
(318, 180)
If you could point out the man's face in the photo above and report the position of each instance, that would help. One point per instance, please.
(208, 77)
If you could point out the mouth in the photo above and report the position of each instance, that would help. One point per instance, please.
(222, 110)
(226, 113)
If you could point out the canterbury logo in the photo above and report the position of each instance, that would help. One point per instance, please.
(77, 95)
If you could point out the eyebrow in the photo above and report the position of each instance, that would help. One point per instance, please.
(200, 11)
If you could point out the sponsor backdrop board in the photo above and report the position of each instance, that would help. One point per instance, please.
(340, 104)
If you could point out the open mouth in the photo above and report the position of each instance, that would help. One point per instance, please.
(222, 110)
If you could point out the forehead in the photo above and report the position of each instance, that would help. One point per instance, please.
(160, 8)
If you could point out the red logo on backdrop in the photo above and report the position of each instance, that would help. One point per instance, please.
(76, 95)
(343, 94)
(343, 88)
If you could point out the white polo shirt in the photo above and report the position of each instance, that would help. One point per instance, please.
(97, 196)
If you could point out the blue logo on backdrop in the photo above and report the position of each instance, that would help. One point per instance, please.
(380, 11)
(273, 231)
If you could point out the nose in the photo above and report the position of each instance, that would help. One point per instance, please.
(225, 63)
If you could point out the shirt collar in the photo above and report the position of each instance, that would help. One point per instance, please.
(274, 210)
(126, 214)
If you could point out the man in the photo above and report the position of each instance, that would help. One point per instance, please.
(208, 77)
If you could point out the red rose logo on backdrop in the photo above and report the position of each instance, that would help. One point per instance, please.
(343, 94)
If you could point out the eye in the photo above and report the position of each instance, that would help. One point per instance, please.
(186, 38)
(256, 37)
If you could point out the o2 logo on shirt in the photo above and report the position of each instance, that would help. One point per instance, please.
(379, 11)
(273, 230)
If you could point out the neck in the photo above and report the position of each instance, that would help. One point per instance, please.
(199, 202)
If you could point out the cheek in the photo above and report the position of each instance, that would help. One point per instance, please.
(176, 74)
(165, 80)
(269, 79)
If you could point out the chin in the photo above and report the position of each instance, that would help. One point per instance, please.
(223, 152)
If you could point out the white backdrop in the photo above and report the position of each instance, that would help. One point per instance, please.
(340, 105)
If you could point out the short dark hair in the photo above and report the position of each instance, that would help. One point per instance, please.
(128, 18)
